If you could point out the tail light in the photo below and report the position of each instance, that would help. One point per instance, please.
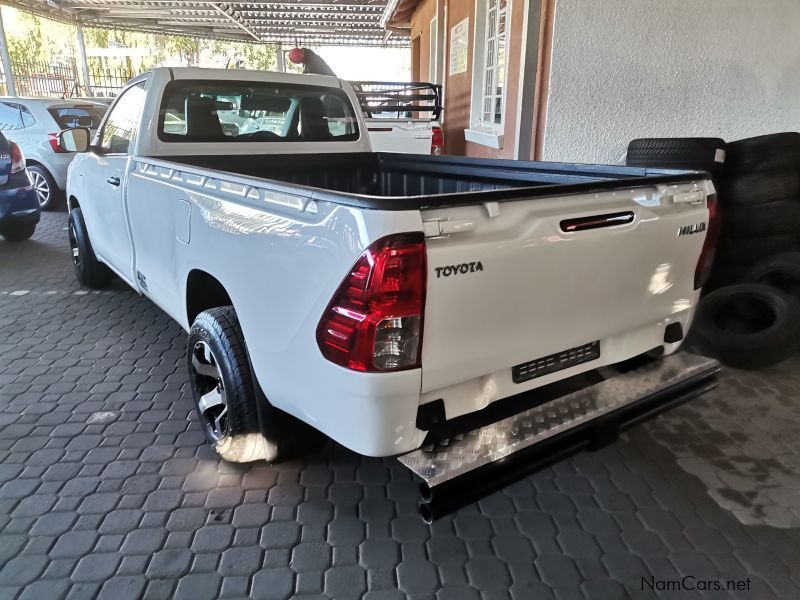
(17, 159)
(437, 141)
(374, 321)
(55, 144)
(706, 260)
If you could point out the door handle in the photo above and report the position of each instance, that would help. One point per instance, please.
(113, 180)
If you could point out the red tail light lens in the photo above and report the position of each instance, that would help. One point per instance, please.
(437, 141)
(54, 143)
(374, 321)
(706, 261)
(17, 159)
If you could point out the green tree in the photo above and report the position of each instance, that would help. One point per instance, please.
(25, 42)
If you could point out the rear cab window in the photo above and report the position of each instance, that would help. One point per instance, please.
(77, 115)
(252, 111)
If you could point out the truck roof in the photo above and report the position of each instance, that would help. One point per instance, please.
(249, 75)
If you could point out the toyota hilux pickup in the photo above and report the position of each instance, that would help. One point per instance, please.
(454, 312)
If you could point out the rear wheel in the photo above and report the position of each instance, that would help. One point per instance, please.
(45, 187)
(236, 419)
(88, 270)
(18, 233)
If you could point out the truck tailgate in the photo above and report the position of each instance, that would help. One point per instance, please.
(402, 136)
(524, 280)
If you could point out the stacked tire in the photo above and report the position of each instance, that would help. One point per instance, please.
(695, 154)
(751, 317)
(760, 204)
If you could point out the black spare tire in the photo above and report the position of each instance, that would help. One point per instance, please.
(707, 154)
(748, 325)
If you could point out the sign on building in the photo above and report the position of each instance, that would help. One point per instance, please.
(459, 44)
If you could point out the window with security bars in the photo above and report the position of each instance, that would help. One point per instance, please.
(494, 64)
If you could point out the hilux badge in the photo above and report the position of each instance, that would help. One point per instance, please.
(691, 229)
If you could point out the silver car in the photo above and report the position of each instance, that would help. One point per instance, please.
(34, 123)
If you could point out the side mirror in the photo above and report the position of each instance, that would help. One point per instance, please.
(75, 139)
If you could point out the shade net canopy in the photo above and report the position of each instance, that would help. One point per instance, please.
(300, 23)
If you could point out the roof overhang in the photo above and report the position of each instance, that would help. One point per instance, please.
(291, 22)
(397, 14)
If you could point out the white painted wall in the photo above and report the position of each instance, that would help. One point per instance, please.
(624, 69)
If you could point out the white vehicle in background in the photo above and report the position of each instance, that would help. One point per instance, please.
(33, 124)
(402, 116)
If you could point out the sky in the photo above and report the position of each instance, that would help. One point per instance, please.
(386, 64)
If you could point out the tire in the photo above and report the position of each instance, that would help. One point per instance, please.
(747, 326)
(89, 271)
(45, 186)
(758, 188)
(724, 275)
(228, 401)
(764, 219)
(782, 271)
(704, 154)
(764, 153)
(747, 251)
(18, 233)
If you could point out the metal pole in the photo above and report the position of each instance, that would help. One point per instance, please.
(11, 90)
(281, 58)
(84, 63)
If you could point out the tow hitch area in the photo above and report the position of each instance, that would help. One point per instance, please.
(464, 468)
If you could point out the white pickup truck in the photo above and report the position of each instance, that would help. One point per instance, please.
(402, 116)
(381, 298)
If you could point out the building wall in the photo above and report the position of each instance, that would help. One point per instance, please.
(623, 69)
(458, 88)
(420, 28)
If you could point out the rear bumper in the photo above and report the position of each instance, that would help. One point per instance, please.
(19, 205)
(457, 471)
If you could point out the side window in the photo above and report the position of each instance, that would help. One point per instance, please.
(120, 127)
(27, 117)
(10, 116)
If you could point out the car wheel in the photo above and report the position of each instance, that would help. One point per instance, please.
(18, 233)
(237, 420)
(45, 187)
(88, 270)
(747, 325)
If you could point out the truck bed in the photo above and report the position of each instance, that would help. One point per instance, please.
(389, 181)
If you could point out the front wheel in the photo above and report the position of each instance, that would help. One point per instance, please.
(227, 398)
(88, 270)
(18, 233)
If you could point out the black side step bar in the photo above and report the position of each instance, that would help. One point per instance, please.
(460, 470)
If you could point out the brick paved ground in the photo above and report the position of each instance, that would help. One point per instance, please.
(107, 488)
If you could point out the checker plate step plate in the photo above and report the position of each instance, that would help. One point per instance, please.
(436, 464)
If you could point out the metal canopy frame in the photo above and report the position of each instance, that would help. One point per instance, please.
(298, 22)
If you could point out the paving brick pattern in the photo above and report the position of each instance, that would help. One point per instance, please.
(108, 490)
